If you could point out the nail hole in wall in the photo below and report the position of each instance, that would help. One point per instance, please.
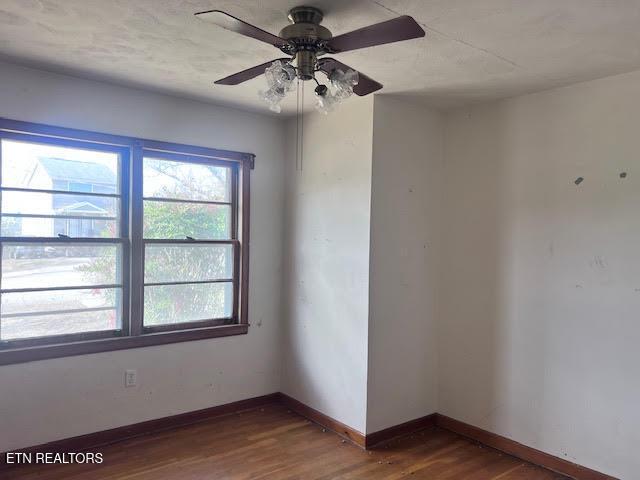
(579, 180)
(623, 174)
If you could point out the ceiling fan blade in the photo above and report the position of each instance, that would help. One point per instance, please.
(394, 30)
(229, 22)
(247, 74)
(365, 84)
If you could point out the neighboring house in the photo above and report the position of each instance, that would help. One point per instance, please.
(73, 176)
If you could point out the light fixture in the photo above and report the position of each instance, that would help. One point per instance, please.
(281, 78)
(341, 87)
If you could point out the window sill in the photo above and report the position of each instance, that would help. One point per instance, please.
(32, 354)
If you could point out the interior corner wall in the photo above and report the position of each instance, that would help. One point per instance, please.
(540, 294)
(404, 262)
(59, 398)
(327, 262)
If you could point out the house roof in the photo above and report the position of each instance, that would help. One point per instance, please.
(81, 207)
(76, 170)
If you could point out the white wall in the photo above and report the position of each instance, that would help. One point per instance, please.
(539, 327)
(54, 399)
(404, 270)
(327, 262)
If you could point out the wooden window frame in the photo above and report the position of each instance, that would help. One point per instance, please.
(133, 333)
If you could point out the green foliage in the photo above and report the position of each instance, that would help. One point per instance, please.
(181, 220)
(177, 220)
(184, 302)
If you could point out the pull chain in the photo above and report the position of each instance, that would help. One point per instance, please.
(299, 125)
(302, 130)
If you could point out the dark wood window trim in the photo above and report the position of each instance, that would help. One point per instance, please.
(133, 334)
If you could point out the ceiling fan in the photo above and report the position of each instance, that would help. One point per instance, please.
(305, 40)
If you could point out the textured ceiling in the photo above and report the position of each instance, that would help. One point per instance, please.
(474, 50)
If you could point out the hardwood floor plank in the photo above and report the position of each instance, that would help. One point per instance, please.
(276, 444)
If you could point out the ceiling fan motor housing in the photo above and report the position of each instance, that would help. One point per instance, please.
(307, 37)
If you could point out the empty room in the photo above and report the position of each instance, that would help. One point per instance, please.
(367, 239)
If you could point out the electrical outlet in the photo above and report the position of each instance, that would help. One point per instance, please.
(130, 378)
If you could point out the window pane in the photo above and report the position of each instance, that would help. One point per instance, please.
(59, 212)
(186, 181)
(40, 166)
(44, 265)
(49, 167)
(16, 226)
(170, 220)
(168, 304)
(37, 314)
(181, 263)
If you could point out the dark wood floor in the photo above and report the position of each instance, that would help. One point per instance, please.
(273, 443)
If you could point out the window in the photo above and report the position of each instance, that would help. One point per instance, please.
(61, 270)
(188, 211)
(113, 242)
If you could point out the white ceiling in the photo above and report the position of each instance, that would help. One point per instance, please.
(474, 50)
